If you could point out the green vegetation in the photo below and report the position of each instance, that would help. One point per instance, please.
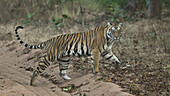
(37, 11)
(57, 22)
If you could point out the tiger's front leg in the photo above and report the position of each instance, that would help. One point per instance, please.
(95, 60)
(111, 57)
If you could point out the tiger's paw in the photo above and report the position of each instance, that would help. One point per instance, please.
(116, 64)
(64, 76)
(33, 84)
(96, 70)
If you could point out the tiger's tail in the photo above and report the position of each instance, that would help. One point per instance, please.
(39, 46)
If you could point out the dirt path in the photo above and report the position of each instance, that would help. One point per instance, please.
(14, 78)
(14, 81)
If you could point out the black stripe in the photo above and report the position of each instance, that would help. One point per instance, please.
(65, 46)
(107, 38)
(99, 50)
(18, 38)
(82, 46)
(104, 54)
(38, 68)
(26, 45)
(63, 69)
(68, 35)
(76, 45)
(21, 42)
(71, 44)
(42, 67)
(45, 61)
(79, 55)
(88, 54)
(20, 27)
(52, 53)
(92, 40)
(75, 48)
(41, 45)
(90, 37)
(103, 47)
(87, 47)
(110, 57)
(63, 40)
(31, 46)
(35, 47)
(49, 57)
(64, 60)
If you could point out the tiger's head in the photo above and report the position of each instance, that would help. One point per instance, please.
(114, 32)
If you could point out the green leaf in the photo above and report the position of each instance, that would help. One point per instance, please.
(64, 16)
(59, 20)
(115, 13)
(51, 25)
(110, 8)
(116, 8)
(121, 15)
(27, 21)
(82, 22)
(39, 21)
(133, 61)
(29, 15)
(51, 21)
(34, 24)
(55, 18)
(65, 89)
(112, 19)
(59, 24)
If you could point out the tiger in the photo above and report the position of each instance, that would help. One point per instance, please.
(94, 43)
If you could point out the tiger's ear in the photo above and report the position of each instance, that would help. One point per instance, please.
(109, 24)
(120, 24)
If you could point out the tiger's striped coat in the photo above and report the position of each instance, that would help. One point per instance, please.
(92, 43)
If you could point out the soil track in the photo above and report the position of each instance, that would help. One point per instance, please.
(15, 66)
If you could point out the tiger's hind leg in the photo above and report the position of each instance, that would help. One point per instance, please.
(43, 64)
(34, 75)
(63, 66)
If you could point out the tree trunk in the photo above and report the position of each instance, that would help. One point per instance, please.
(155, 9)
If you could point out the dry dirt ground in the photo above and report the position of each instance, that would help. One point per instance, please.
(144, 52)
